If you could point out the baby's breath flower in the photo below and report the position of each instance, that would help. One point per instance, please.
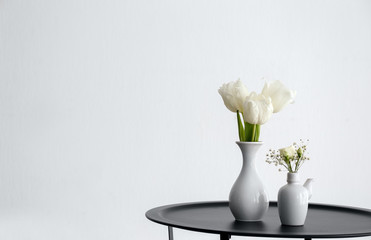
(294, 161)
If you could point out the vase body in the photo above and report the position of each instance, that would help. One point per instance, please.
(248, 199)
(292, 201)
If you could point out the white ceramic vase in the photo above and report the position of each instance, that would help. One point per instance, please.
(248, 199)
(293, 200)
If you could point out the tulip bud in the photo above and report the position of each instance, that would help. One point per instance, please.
(257, 109)
(233, 94)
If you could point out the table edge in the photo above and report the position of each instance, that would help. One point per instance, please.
(271, 203)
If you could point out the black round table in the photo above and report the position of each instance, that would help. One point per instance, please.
(323, 221)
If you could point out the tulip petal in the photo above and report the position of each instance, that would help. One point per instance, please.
(257, 109)
(281, 96)
(227, 99)
(233, 94)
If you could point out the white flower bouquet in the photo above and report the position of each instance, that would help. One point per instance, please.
(253, 110)
(291, 157)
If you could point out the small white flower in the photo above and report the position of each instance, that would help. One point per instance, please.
(257, 109)
(288, 152)
(281, 96)
(233, 94)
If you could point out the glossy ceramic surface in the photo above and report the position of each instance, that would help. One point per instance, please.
(293, 201)
(248, 199)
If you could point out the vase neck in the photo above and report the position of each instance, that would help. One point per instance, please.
(249, 151)
(293, 178)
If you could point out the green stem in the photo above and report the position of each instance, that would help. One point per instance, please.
(297, 164)
(253, 133)
(288, 163)
(248, 132)
(257, 133)
(241, 129)
(292, 170)
(300, 164)
(285, 167)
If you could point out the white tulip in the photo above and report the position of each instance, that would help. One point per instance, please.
(233, 94)
(257, 109)
(281, 96)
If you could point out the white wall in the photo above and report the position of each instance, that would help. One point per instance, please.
(110, 108)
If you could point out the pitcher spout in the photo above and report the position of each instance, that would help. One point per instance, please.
(308, 186)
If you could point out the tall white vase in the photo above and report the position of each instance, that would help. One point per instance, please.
(248, 199)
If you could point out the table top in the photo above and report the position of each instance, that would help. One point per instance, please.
(323, 221)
